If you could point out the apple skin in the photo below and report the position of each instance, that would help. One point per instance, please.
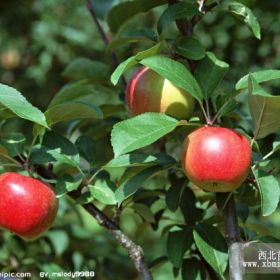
(28, 207)
(147, 91)
(216, 159)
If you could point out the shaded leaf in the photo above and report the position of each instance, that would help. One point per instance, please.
(178, 242)
(129, 160)
(55, 148)
(173, 194)
(127, 40)
(212, 246)
(67, 184)
(82, 68)
(191, 213)
(177, 11)
(120, 13)
(135, 182)
(264, 108)
(86, 92)
(86, 148)
(72, 111)
(144, 211)
(269, 190)
(193, 269)
(14, 142)
(209, 73)
(190, 48)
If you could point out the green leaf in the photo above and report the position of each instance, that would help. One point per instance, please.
(245, 14)
(209, 73)
(120, 13)
(86, 92)
(259, 76)
(82, 68)
(72, 111)
(212, 246)
(14, 142)
(193, 269)
(131, 184)
(144, 211)
(86, 148)
(191, 213)
(67, 184)
(59, 240)
(127, 40)
(190, 48)
(50, 268)
(178, 242)
(175, 72)
(140, 131)
(11, 99)
(129, 160)
(103, 191)
(177, 11)
(264, 109)
(55, 148)
(173, 194)
(269, 190)
(3, 151)
(131, 61)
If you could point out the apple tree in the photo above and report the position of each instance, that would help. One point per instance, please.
(162, 152)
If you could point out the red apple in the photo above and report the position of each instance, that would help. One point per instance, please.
(28, 207)
(147, 91)
(216, 159)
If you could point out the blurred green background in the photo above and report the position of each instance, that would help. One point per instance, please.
(38, 40)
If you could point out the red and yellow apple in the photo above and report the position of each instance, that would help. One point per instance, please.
(28, 206)
(147, 91)
(216, 159)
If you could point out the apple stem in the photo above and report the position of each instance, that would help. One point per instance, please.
(206, 116)
(232, 236)
(104, 36)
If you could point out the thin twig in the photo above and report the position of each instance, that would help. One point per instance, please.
(186, 29)
(135, 251)
(182, 24)
(103, 36)
(207, 118)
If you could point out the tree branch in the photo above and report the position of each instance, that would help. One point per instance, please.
(103, 36)
(185, 28)
(135, 251)
(183, 25)
(232, 236)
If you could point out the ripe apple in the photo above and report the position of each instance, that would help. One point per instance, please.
(216, 159)
(28, 207)
(147, 91)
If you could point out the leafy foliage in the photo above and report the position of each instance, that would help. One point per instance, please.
(129, 166)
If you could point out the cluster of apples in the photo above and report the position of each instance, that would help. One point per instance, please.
(214, 158)
(28, 206)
